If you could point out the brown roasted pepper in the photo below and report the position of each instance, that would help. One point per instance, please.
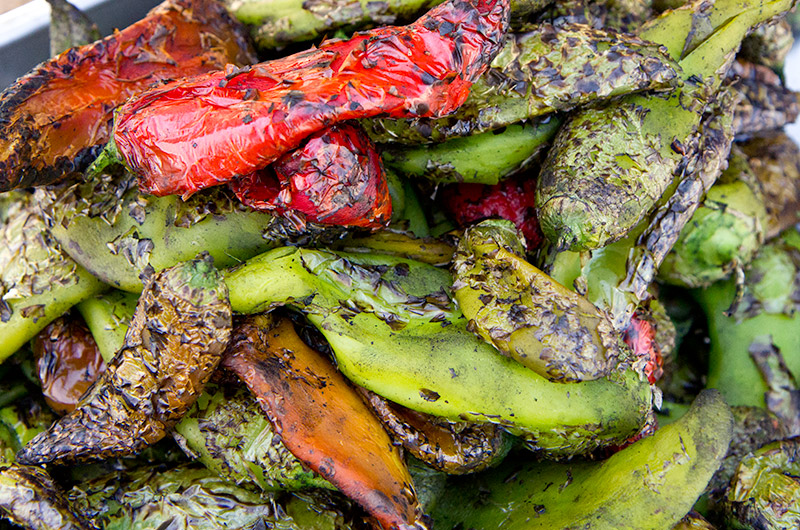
(175, 340)
(68, 362)
(53, 119)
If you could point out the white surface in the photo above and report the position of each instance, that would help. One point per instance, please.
(791, 72)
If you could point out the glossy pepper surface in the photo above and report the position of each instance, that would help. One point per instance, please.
(181, 137)
(175, 341)
(336, 177)
(53, 117)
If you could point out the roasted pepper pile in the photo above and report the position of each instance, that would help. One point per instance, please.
(418, 265)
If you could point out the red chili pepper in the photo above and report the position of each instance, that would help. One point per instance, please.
(336, 177)
(512, 199)
(640, 336)
(52, 117)
(210, 129)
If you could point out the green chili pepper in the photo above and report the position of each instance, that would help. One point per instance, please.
(768, 315)
(29, 497)
(227, 431)
(69, 27)
(115, 231)
(725, 232)
(610, 165)
(484, 158)
(649, 485)
(526, 314)
(551, 68)
(38, 281)
(197, 498)
(765, 493)
(394, 331)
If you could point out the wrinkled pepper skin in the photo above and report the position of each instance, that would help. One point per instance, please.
(725, 232)
(394, 331)
(765, 492)
(456, 448)
(179, 137)
(766, 103)
(549, 69)
(335, 178)
(176, 339)
(665, 226)
(68, 362)
(278, 24)
(610, 165)
(775, 161)
(190, 497)
(116, 232)
(30, 498)
(323, 421)
(512, 199)
(649, 485)
(54, 119)
(527, 315)
(227, 431)
(39, 282)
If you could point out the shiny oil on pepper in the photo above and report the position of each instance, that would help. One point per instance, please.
(212, 128)
(52, 119)
(336, 177)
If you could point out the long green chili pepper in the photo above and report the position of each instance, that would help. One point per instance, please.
(484, 158)
(610, 165)
(394, 331)
(649, 485)
(227, 431)
(175, 341)
(108, 316)
(286, 22)
(38, 280)
(197, 498)
(768, 315)
(616, 277)
(526, 314)
(551, 68)
(115, 231)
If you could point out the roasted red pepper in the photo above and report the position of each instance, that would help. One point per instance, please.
(323, 421)
(640, 336)
(512, 199)
(210, 129)
(68, 362)
(336, 177)
(52, 117)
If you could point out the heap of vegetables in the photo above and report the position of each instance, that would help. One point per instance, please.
(432, 275)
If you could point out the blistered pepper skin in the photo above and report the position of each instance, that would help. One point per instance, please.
(175, 341)
(179, 137)
(53, 119)
(335, 178)
(323, 421)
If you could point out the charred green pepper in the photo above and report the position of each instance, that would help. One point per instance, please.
(526, 314)
(394, 331)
